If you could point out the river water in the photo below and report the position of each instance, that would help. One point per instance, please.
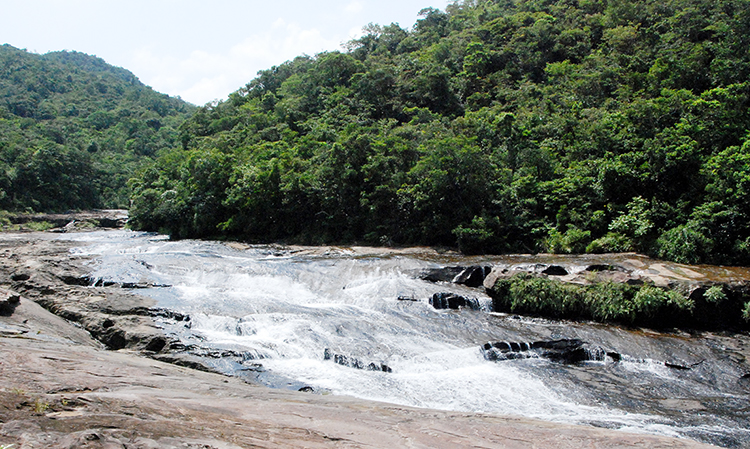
(271, 314)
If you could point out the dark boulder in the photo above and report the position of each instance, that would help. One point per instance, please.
(73, 279)
(472, 276)
(445, 274)
(111, 222)
(606, 267)
(8, 302)
(682, 365)
(18, 277)
(446, 300)
(555, 270)
(505, 350)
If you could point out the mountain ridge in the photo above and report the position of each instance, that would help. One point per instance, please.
(74, 129)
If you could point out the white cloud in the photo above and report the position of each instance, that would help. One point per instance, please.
(356, 33)
(354, 7)
(205, 75)
(195, 49)
(209, 89)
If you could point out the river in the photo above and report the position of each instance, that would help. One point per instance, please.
(285, 317)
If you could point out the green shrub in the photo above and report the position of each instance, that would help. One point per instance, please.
(650, 301)
(39, 225)
(610, 301)
(715, 295)
(531, 294)
(683, 244)
(573, 241)
(613, 242)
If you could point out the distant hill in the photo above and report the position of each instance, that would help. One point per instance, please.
(74, 129)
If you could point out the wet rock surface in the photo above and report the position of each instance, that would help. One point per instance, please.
(44, 272)
(61, 391)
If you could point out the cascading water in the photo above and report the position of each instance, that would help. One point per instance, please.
(334, 322)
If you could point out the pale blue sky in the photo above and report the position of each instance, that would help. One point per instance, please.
(199, 50)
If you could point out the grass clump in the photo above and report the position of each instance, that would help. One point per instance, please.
(39, 225)
(40, 406)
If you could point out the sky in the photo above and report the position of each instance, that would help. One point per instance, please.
(198, 50)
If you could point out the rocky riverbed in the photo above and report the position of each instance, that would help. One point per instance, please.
(87, 376)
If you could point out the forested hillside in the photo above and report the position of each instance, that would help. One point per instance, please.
(495, 126)
(74, 129)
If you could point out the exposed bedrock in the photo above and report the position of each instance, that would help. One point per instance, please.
(74, 221)
(57, 282)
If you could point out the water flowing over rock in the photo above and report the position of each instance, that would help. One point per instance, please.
(445, 274)
(353, 362)
(447, 300)
(566, 351)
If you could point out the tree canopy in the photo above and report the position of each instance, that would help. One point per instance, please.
(495, 126)
(74, 129)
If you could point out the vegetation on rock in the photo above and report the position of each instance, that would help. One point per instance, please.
(714, 307)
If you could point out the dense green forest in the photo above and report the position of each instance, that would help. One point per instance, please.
(495, 126)
(74, 129)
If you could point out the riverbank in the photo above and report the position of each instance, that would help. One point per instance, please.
(63, 388)
(71, 221)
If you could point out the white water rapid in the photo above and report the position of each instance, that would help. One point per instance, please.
(282, 310)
